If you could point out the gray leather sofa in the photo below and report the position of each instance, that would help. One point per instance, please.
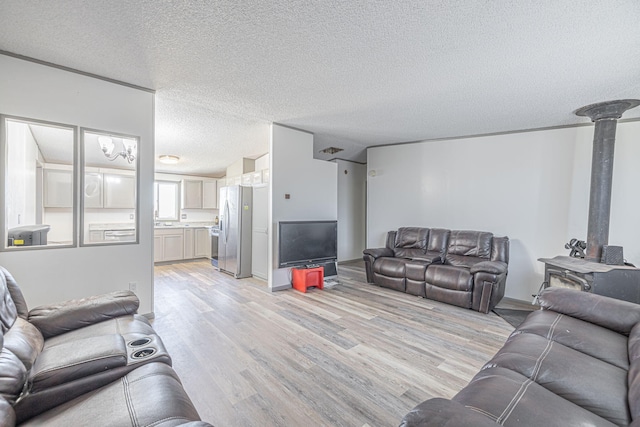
(92, 361)
(576, 362)
(460, 267)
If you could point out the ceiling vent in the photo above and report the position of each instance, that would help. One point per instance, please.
(331, 150)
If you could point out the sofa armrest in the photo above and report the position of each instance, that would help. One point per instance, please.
(67, 316)
(607, 312)
(378, 252)
(443, 412)
(492, 267)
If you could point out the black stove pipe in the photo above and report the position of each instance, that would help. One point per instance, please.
(605, 115)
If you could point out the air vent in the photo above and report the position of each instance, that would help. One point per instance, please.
(331, 150)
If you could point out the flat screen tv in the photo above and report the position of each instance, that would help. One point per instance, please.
(307, 242)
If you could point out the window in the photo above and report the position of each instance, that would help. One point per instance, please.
(167, 200)
(43, 189)
(37, 184)
(109, 188)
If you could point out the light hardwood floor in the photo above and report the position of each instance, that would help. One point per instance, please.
(352, 355)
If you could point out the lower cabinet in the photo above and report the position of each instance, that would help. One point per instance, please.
(188, 243)
(168, 245)
(175, 244)
(202, 243)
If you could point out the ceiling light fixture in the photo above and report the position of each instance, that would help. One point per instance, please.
(129, 149)
(169, 159)
(331, 150)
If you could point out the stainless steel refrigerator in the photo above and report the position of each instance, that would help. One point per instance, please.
(234, 243)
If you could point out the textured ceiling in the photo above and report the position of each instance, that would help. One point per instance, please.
(355, 73)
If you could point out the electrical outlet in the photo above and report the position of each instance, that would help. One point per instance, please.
(133, 286)
(131, 216)
(183, 216)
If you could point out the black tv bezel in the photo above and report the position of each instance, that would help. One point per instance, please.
(322, 260)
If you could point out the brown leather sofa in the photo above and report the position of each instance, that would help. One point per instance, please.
(459, 267)
(92, 361)
(576, 362)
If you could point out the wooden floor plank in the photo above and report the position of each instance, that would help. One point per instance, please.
(351, 355)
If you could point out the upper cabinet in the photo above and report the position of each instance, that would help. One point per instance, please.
(199, 194)
(93, 190)
(109, 190)
(210, 194)
(191, 194)
(58, 188)
(119, 191)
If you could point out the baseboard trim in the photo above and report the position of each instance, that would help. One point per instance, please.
(281, 287)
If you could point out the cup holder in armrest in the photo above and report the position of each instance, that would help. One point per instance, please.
(145, 348)
(143, 353)
(139, 342)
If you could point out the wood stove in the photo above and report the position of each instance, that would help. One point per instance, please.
(591, 273)
(616, 281)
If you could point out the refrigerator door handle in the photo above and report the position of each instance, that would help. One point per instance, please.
(227, 213)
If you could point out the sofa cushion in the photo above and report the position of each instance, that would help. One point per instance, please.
(151, 395)
(67, 362)
(8, 310)
(392, 267)
(633, 379)
(512, 399)
(16, 293)
(449, 277)
(470, 243)
(596, 341)
(416, 269)
(24, 341)
(590, 383)
(13, 375)
(410, 242)
(7, 415)
(438, 240)
(415, 273)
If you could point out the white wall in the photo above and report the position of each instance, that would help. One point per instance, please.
(530, 186)
(311, 184)
(40, 92)
(352, 179)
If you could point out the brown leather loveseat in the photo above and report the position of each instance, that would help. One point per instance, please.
(459, 267)
(92, 361)
(576, 362)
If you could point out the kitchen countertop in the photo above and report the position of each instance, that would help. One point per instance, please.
(163, 224)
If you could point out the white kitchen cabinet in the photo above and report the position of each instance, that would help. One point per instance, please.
(175, 244)
(188, 243)
(92, 190)
(173, 247)
(170, 246)
(210, 194)
(202, 243)
(119, 191)
(246, 179)
(158, 249)
(219, 184)
(191, 194)
(260, 233)
(58, 188)
(96, 236)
